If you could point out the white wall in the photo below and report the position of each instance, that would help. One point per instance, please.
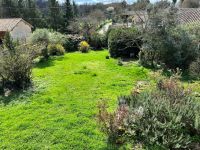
(21, 32)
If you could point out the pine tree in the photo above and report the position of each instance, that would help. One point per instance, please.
(55, 18)
(6, 8)
(33, 15)
(68, 14)
(75, 9)
(20, 6)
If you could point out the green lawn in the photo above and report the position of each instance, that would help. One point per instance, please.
(59, 111)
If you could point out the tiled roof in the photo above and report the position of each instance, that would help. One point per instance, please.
(189, 15)
(8, 24)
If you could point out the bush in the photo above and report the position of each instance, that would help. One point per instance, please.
(46, 37)
(72, 42)
(147, 57)
(40, 35)
(112, 123)
(179, 55)
(124, 42)
(57, 38)
(166, 43)
(97, 41)
(193, 29)
(84, 47)
(195, 69)
(56, 49)
(16, 65)
(168, 117)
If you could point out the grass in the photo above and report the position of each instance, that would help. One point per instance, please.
(59, 111)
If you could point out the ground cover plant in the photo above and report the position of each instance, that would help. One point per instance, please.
(59, 112)
(166, 117)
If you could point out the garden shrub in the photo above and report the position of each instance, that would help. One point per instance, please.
(194, 69)
(84, 47)
(72, 42)
(166, 43)
(40, 35)
(56, 49)
(112, 123)
(57, 38)
(193, 29)
(174, 48)
(147, 57)
(167, 116)
(16, 65)
(178, 49)
(51, 40)
(124, 42)
(97, 41)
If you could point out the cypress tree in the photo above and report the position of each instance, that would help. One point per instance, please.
(68, 15)
(55, 17)
(75, 9)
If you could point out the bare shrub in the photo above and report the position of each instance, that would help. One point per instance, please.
(112, 124)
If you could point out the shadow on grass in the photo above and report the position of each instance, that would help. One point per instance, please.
(6, 100)
(18, 95)
(48, 63)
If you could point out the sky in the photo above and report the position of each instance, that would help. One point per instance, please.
(106, 1)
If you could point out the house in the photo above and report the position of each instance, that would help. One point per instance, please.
(184, 16)
(189, 15)
(18, 28)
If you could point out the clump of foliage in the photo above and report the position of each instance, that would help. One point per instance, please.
(179, 55)
(166, 43)
(112, 123)
(194, 31)
(53, 41)
(56, 49)
(194, 69)
(41, 36)
(84, 47)
(124, 42)
(167, 116)
(57, 38)
(72, 42)
(16, 64)
(97, 41)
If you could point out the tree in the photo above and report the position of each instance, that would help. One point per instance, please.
(8, 9)
(162, 4)
(174, 2)
(20, 7)
(8, 43)
(141, 4)
(75, 9)
(55, 17)
(32, 14)
(160, 42)
(68, 15)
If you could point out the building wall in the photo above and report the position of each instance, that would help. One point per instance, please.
(21, 32)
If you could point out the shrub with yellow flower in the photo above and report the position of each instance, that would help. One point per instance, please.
(84, 47)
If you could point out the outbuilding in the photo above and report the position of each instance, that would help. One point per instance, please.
(18, 28)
